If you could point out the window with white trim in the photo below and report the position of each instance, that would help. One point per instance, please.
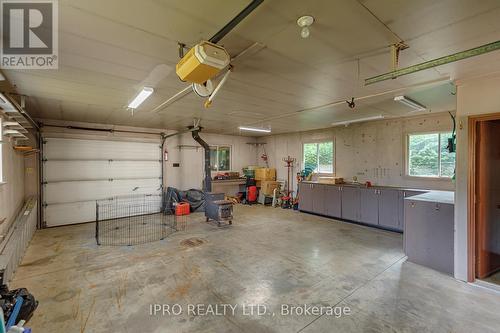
(220, 158)
(319, 157)
(428, 155)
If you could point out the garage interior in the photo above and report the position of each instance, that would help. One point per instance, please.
(234, 166)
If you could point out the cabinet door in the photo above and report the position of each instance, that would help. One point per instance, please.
(305, 197)
(429, 234)
(333, 202)
(369, 206)
(350, 203)
(401, 209)
(318, 199)
(389, 208)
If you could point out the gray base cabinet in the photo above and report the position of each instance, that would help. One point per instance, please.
(389, 212)
(373, 206)
(333, 201)
(369, 209)
(318, 196)
(306, 197)
(351, 203)
(429, 230)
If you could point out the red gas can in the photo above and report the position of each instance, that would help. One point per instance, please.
(182, 208)
(252, 193)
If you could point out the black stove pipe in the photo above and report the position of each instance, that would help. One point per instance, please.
(207, 184)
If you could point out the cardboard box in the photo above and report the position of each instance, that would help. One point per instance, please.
(267, 187)
(265, 174)
(330, 180)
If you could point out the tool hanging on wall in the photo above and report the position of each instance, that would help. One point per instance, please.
(264, 156)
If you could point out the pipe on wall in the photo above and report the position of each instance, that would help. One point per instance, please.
(207, 184)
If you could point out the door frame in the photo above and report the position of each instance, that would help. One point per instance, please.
(471, 196)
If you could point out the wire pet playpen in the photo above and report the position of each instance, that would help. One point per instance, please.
(132, 220)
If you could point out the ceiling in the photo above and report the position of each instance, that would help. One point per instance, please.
(108, 50)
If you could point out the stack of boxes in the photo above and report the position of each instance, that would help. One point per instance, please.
(266, 180)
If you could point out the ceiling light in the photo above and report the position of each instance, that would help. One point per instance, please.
(416, 106)
(305, 22)
(347, 122)
(255, 129)
(141, 97)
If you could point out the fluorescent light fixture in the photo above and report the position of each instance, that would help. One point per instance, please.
(141, 97)
(416, 106)
(255, 129)
(347, 122)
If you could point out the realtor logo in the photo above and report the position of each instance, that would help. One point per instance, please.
(29, 34)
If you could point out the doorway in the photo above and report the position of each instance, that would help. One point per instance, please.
(486, 200)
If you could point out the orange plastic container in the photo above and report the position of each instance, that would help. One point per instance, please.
(182, 208)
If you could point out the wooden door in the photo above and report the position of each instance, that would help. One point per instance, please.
(487, 198)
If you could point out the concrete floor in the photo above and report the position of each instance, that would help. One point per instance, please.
(269, 256)
(493, 278)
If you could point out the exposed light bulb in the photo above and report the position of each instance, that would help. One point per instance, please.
(304, 33)
(304, 22)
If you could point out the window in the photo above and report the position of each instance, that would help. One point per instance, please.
(428, 155)
(319, 157)
(220, 158)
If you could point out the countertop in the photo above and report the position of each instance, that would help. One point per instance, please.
(445, 197)
(373, 186)
(230, 181)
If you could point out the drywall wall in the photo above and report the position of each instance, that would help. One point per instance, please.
(182, 149)
(373, 151)
(474, 97)
(12, 190)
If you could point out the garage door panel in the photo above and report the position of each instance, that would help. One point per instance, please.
(78, 172)
(63, 192)
(70, 213)
(73, 149)
(88, 170)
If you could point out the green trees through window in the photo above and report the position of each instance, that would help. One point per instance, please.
(428, 155)
(319, 157)
(220, 158)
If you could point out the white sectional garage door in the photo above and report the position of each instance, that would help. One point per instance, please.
(78, 172)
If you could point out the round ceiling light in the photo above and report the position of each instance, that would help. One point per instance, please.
(305, 22)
